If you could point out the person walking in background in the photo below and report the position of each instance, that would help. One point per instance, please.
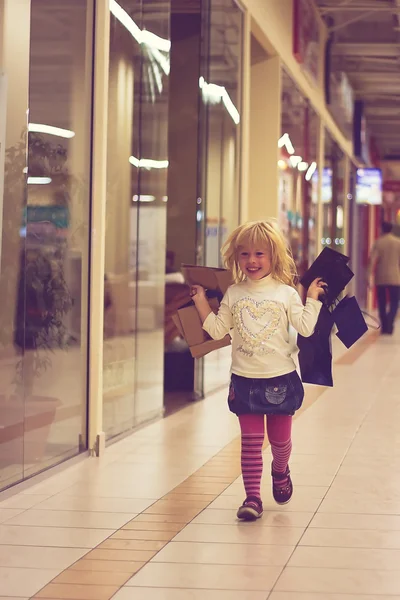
(384, 263)
(258, 309)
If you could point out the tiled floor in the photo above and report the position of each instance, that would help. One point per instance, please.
(154, 519)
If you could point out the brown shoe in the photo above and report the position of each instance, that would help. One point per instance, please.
(282, 493)
(251, 509)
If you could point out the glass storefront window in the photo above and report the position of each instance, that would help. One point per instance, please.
(45, 241)
(136, 213)
(221, 89)
(333, 189)
(298, 169)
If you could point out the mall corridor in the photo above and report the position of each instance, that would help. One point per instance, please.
(154, 519)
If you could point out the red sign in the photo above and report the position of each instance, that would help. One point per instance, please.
(391, 186)
(306, 37)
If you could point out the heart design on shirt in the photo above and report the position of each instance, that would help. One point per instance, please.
(266, 315)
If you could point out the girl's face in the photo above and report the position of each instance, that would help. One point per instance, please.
(255, 263)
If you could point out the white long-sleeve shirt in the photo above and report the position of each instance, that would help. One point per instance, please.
(257, 314)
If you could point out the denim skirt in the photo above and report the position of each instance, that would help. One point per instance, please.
(281, 395)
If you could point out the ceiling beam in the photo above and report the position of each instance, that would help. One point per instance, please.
(358, 8)
(365, 49)
(375, 121)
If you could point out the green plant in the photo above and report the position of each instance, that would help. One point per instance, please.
(32, 268)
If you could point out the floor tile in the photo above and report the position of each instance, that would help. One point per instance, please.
(297, 504)
(154, 526)
(133, 534)
(118, 555)
(77, 592)
(224, 554)
(15, 582)
(131, 593)
(23, 501)
(76, 519)
(325, 596)
(118, 544)
(225, 577)
(52, 536)
(354, 521)
(92, 577)
(339, 581)
(37, 556)
(118, 566)
(346, 558)
(165, 509)
(351, 538)
(177, 496)
(252, 534)
(9, 513)
(81, 503)
(148, 518)
(215, 516)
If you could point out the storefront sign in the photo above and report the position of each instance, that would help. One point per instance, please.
(306, 37)
(360, 130)
(369, 186)
(391, 186)
(340, 101)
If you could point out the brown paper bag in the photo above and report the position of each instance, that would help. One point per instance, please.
(189, 325)
(210, 278)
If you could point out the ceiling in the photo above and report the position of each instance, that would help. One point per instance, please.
(366, 45)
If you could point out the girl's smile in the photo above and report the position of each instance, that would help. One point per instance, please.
(254, 263)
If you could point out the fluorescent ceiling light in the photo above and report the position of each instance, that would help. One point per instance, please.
(148, 163)
(287, 142)
(142, 37)
(311, 170)
(155, 41)
(295, 160)
(143, 198)
(39, 180)
(214, 94)
(162, 60)
(40, 128)
(302, 166)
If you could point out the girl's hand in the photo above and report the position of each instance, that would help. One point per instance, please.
(197, 292)
(316, 289)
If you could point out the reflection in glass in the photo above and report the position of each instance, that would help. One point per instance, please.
(119, 351)
(333, 185)
(137, 169)
(221, 89)
(298, 174)
(152, 218)
(47, 243)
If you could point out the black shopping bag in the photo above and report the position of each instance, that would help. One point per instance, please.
(349, 321)
(332, 267)
(315, 352)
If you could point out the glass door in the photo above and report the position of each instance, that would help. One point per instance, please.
(220, 86)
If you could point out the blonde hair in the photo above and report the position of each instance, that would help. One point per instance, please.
(260, 234)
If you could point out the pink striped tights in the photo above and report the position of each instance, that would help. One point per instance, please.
(279, 429)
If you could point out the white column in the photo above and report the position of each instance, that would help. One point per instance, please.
(98, 225)
(244, 154)
(265, 130)
(14, 73)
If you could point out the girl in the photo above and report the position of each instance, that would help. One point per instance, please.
(259, 308)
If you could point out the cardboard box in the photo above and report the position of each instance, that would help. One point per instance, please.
(209, 277)
(189, 325)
